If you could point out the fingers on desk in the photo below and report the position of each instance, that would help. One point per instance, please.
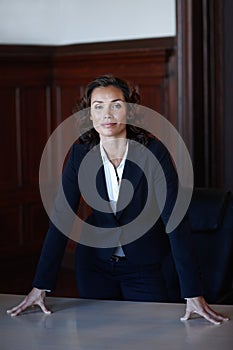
(25, 304)
(206, 312)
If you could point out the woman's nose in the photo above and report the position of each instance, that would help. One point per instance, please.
(108, 112)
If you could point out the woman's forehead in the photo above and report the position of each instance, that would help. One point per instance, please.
(107, 94)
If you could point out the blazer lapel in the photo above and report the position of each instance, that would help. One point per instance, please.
(133, 171)
(96, 172)
(100, 176)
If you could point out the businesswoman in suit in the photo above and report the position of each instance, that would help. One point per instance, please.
(125, 269)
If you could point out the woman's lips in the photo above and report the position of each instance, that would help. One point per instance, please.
(109, 125)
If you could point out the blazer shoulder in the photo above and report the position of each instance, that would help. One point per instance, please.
(77, 153)
(79, 149)
(156, 146)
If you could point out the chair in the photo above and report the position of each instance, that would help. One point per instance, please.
(211, 220)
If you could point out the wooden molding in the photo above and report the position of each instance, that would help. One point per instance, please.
(39, 87)
(200, 86)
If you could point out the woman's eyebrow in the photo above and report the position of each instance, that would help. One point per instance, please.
(97, 101)
(117, 99)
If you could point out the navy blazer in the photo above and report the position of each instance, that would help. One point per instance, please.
(146, 176)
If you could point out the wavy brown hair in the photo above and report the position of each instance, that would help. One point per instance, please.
(90, 136)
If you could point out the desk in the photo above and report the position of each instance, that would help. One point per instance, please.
(79, 324)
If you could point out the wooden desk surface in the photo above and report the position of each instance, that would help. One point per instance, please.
(78, 324)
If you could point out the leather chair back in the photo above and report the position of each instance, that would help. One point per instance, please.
(211, 220)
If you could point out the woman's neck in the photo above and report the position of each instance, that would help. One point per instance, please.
(115, 149)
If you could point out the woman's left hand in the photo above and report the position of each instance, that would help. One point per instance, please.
(199, 306)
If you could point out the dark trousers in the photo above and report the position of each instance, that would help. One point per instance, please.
(120, 280)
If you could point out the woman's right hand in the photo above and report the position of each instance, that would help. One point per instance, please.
(35, 297)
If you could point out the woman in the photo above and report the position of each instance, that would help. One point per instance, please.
(128, 269)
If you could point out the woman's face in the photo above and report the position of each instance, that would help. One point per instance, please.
(108, 112)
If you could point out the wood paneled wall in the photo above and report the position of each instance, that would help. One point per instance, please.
(39, 87)
(202, 93)
(25, 125)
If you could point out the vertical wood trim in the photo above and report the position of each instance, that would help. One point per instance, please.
(21, 226)
(18, 137)
(206, 91)
(200, 86)
(48, 97)
(58, 111)
(217, 93)
(213, 91)
(184, 72)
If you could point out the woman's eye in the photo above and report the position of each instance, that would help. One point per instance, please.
(116, 106)
(98, 107)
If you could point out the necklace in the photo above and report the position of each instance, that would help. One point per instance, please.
(117, 176)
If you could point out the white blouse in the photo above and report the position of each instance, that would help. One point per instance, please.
(113, 178)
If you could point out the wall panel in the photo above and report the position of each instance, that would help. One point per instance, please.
(9, 137)
(35, 125)
(11, 218)
(39, 88)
